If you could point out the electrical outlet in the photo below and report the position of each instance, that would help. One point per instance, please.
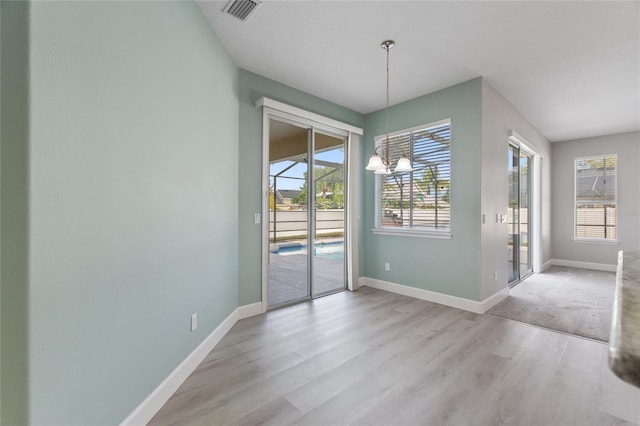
(194, 321)
(387, 267)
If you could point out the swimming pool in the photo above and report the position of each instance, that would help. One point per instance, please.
(332, 250)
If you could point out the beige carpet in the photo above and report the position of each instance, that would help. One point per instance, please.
(574, 301)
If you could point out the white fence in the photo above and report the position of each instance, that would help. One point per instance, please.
(288, 223)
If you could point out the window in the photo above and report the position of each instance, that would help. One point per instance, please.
(417, 201)
(595, 197)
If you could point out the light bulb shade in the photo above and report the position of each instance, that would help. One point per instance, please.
(383, 171)
(375, 163)
(404, 165)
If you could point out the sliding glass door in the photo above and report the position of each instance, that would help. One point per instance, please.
(518, 245)
(288, 213)
(307, 200)
(330, 191)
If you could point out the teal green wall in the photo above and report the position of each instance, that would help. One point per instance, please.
(14, 106)
(129, 184)
(429, 264)
(252, 88)
(133, 201)
(0, 217)
(444, 266)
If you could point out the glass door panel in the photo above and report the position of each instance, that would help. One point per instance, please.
(518, 250)
(329, 191)
(524, 214)
(513, 219)
(288, 270)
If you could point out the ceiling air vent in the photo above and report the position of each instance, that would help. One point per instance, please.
(241, 9)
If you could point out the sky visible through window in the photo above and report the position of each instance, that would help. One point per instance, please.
(293, 178)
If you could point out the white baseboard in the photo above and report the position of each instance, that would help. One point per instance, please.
(546, 265)
(494, 299)
(361, 282)
(442, 299)
(251, 310)
(584, 265)
(161, 394)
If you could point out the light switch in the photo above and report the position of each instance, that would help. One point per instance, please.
(256, 218)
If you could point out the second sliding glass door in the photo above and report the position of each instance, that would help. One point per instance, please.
(307, 210)
(518, 248)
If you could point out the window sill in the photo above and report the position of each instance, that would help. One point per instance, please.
(441, 235)
(591, 241)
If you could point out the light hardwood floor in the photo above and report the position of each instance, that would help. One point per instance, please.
(377, 358)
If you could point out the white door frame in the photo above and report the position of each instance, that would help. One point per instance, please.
(536, 199)
(284, 112)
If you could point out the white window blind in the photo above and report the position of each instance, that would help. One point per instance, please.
(595, 197)
(419, 199)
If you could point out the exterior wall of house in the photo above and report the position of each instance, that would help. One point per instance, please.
(564, 247)
(499, 116)
(445, 266)
(132, 127)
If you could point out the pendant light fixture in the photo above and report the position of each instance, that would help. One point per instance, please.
(379, 162)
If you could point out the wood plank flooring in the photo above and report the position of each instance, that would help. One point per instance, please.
(377, 358)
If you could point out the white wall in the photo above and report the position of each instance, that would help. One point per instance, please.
(627, 146)
(498, 118)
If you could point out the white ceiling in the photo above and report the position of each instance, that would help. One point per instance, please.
(571, 67)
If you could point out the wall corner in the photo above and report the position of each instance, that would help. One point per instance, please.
(14, 212)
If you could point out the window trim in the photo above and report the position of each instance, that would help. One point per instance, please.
(590, 240)
(412, 232)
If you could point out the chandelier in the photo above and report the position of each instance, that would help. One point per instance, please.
(379, 161)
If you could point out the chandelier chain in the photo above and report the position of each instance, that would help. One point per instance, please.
(387, 48)
(379, 161)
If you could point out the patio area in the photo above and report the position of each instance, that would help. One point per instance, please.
(288, 275)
